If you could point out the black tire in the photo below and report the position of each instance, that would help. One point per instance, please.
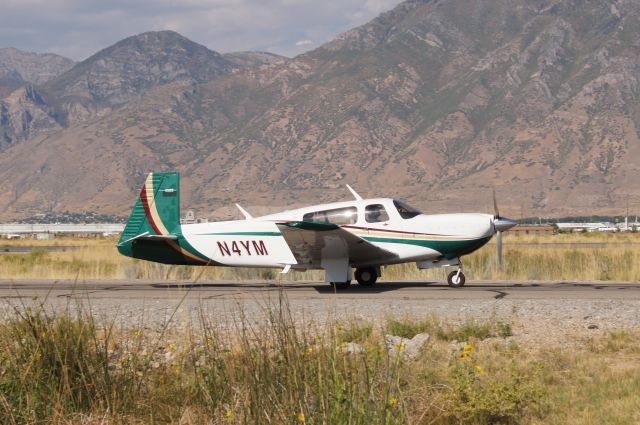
(340, 285)
(456, 283)
(366, 276)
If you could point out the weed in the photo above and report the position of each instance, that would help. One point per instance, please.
(504, 329)
(353, 332)
(409, 328)
(470, 329)
(64, 367)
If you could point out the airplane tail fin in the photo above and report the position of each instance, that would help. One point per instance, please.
(157, 210)
(153, 231)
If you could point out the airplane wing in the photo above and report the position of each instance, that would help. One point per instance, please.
(309, 241)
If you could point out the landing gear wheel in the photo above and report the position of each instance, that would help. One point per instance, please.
(366, 276)
(456, 279)
(340, 285)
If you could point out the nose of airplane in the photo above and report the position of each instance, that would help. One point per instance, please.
(502, 224)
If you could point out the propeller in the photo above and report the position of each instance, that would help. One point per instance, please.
(500, 224)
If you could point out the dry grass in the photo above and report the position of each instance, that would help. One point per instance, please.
(62, 368)
(575, 256)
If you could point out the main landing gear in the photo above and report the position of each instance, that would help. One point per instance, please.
(366, 276)
(456, 278)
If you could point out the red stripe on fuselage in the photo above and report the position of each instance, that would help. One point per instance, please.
(145, 205)
(375, 229)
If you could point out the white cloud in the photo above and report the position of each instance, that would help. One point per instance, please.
(79, 28)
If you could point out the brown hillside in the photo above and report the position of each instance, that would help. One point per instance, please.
(436, 102)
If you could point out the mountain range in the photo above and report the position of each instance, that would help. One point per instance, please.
(437, 102)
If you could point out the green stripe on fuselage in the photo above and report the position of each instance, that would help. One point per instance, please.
(448, 248)
(241, 234)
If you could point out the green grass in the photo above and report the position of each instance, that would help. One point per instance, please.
(353, 332)
(470, 329)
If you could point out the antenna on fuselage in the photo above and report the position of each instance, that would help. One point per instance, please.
(246, 215)
(354, 193)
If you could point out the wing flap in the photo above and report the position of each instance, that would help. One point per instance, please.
(310, 242)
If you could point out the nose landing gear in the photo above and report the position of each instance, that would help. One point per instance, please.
(456, 279)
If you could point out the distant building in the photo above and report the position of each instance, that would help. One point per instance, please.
(583, 227)
(48, 231)
(534, 229)
(190, 218)
(628, 226)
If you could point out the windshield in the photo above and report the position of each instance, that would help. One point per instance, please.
(405, 210)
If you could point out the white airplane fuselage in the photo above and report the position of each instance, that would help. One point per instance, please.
(258, 242)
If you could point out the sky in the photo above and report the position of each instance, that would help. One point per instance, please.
(79, 28)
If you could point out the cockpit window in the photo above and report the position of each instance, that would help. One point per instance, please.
(337, 216)
(375, 213)
(405, 210)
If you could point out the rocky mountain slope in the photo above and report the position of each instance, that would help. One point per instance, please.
(108, 80)
(253, 59)
(36, 68)
(434, 101)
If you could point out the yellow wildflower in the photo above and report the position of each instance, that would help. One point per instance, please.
(229, 414)
(171, 348)
(308, 351)
(479, 369)
(464, 355)
(301, 418)
(138, 333)
(400, 346)
(211, 342)
(393, 402)
(468, 348)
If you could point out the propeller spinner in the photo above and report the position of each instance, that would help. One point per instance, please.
(500, 224)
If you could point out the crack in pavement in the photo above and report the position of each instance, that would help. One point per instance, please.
(499, 294)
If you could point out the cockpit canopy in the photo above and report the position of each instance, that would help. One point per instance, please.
(374, 212)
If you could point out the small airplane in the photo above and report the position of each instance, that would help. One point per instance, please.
(363, 234)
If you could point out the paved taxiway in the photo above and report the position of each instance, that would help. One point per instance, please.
(126, 291)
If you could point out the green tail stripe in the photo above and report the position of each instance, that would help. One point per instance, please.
(157, 210)
(165, 200)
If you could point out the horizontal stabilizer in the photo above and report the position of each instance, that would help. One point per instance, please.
(147, 237)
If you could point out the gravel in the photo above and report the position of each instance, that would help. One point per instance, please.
(557, 322)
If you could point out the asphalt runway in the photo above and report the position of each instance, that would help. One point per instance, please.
(126, 291)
